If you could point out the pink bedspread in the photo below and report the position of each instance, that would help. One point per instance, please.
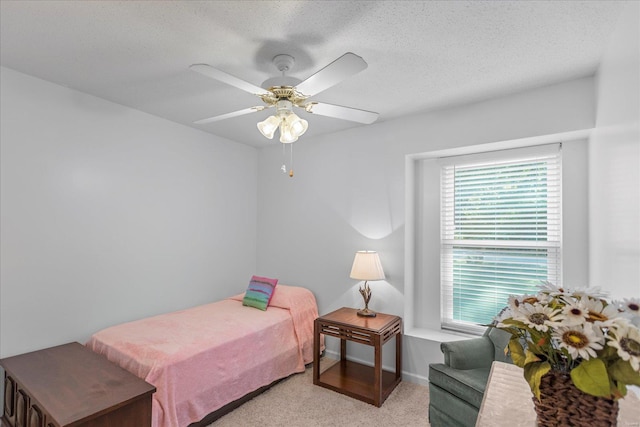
(204, 357)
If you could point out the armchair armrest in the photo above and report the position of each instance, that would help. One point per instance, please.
(468, 354)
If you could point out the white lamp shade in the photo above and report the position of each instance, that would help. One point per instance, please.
(366, 266)
(268, 127)
(286, 136)
(298, 125)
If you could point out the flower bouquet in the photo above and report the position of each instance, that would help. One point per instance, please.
(577, 335)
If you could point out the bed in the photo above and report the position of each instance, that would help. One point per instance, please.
(203, 358)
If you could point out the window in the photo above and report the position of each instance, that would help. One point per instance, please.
(500, 231)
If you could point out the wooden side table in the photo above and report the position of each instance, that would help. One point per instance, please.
(370, 384)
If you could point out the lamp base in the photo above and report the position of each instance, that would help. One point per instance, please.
(365, 312)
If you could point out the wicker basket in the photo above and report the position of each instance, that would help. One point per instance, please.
(562, 404)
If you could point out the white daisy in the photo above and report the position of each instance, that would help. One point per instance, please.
(550, 289)
(575, 313)
(626, 338)
(542, 298)
(599, 313)
(631, 306)
(580, 340)
(538, 316)
(504, 314)
(516, 301)
(593, 292)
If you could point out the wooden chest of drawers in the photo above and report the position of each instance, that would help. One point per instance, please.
(69, 385)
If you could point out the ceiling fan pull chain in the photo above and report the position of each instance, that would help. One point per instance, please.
(283, 168)
(291, 170)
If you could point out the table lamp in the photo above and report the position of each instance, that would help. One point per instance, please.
(366, 266)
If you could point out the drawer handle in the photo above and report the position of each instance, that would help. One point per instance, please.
(21, 408)
(35, 417)
(9, 397)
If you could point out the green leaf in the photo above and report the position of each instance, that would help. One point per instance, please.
(591, 377)
(608, 353)
(516, 323)
(533, 372)
(512, 330)
(622, 372)
(539, 341)
(531, 357)
(517, 352)
(622, 391)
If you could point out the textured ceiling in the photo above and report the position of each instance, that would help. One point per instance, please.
(421, 55)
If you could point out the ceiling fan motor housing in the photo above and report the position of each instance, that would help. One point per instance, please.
(283, 106)
(283, 62)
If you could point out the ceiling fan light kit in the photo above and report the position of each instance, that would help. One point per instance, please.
(291, 126)
(285, 92)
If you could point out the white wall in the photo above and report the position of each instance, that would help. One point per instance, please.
(614, 164)
(110, 214)
(348, 193)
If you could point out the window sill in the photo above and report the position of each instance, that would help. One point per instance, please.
(438, 335)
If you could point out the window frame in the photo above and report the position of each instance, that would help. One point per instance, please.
(548, 152)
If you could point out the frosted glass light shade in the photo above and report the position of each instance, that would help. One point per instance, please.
(286, 136)
(367, 266)
(291, 128)
(268, 127)
(298, 126)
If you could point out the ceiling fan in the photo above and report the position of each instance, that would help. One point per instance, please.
(284, 93)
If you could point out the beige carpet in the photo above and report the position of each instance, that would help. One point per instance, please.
(297, 402)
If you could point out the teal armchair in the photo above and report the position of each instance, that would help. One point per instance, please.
(456, 387)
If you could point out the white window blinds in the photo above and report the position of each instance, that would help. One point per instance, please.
(500, 231)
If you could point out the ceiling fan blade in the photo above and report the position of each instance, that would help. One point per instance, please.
(339, 112)
(214, 73)
(343, 67)
(229, 115)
